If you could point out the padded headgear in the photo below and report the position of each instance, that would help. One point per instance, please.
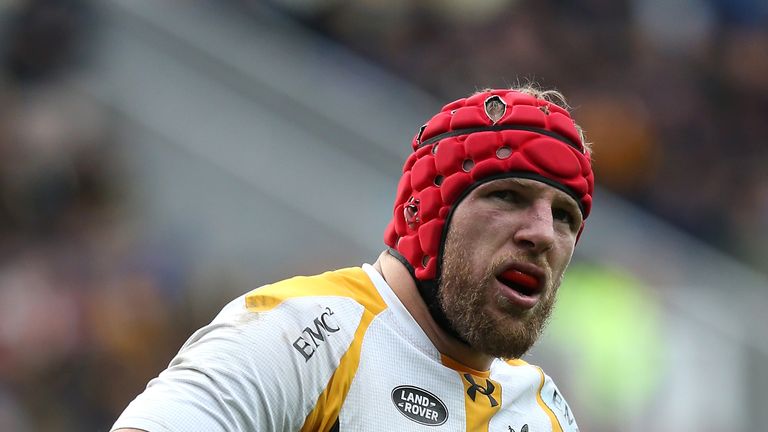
(493, 134)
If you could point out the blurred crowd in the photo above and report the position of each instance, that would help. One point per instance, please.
(89, 312)
(673, 94)
(676, 107)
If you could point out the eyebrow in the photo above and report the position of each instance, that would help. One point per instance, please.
(561, 197)
(516, 181)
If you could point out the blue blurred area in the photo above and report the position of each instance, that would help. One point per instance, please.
(159, 158)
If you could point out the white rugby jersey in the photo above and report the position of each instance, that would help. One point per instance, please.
(336, 352)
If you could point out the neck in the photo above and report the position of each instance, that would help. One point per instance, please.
(403, 285)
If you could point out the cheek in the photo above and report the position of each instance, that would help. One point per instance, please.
(471, 235)
(561, 256)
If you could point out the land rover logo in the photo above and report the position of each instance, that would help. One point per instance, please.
(419, 405)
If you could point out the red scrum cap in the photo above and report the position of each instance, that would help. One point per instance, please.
(492, 134)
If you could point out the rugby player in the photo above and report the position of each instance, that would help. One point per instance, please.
(486, 217)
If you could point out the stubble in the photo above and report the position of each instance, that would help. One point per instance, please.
(486, 319)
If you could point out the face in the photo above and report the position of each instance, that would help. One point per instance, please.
(508, 245)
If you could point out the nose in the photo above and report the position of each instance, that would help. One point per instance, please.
(536, 231)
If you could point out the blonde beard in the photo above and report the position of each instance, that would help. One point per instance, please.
(499, 329)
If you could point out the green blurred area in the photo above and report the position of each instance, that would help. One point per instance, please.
(611, 325)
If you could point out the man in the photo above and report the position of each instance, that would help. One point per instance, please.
(486, 218)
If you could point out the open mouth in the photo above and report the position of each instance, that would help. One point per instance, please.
(524, 288)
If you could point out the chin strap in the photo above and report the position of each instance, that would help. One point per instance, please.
(428, 290)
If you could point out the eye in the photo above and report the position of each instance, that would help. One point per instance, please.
(564, 216)
(507, 195)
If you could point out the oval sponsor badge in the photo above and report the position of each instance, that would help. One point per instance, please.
(419, 405)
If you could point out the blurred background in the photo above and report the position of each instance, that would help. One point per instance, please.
(158, 158)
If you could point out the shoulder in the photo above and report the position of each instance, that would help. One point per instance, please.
(554, 400)
(293, 319)
(302, 310)
(261, 361)
(350, 283)
(537, 384)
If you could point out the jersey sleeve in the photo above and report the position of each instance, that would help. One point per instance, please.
(552, 397)
(249, 370)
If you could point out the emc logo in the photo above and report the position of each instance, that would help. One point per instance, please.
(321, 327)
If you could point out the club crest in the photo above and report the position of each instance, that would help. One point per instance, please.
(495, 108)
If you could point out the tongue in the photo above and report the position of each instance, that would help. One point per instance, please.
(520, 278)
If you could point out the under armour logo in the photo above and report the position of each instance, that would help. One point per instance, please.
(522, 429)
(474, 388)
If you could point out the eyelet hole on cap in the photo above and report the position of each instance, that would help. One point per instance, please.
(503, 152)
(434, 148)
(467, 165)
(411, 214)
(424, 260)
(421, 132)
(438, 180)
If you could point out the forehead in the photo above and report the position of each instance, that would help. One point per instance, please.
(533, 187)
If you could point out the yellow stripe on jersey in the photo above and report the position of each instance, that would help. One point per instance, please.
(555, 423)
(350, 282)
(517, 362)
(482, 400)
(479, 406)
(353, 283)
(460, 367)
(329, 403)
